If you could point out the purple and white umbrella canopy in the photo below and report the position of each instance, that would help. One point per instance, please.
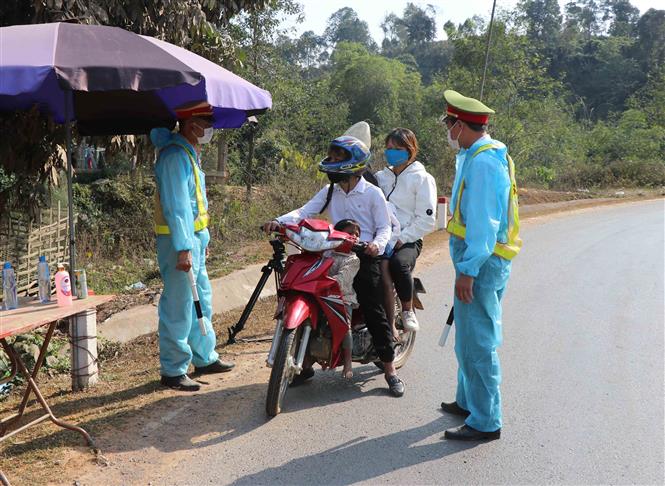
(111, 81)
(120, 82)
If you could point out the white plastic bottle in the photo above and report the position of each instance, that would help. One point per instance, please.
(44, 280)
(63, 286)
(9, 297)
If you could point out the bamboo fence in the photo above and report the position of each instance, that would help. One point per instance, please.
(23, 240)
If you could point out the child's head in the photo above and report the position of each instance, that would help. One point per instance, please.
(348, 226)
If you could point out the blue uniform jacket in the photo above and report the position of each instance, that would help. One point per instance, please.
(484, 205)
(177, 187)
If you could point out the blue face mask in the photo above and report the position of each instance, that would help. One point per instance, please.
(395, 157)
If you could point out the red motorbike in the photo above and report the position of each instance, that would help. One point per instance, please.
(311, 316)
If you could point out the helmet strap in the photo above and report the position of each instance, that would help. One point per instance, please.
(331, 188)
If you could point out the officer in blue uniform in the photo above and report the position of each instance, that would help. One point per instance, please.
(484, 238)
(181, 220)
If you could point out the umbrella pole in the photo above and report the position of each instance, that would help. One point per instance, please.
(70, 195)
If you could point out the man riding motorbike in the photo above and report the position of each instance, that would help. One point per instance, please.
(350, 196)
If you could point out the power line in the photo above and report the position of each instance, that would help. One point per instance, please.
(487, 51)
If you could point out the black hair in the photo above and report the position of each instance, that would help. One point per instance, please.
(343, 223)
(476, 127)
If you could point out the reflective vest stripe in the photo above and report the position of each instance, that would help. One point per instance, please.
(201, 221)
(511, 248)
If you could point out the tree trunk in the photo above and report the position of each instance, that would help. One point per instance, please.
(250, 165)
(222, 157)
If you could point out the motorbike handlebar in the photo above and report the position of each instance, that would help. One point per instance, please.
(359, 246)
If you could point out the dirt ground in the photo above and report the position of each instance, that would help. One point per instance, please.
(127, 397)
(129, 403)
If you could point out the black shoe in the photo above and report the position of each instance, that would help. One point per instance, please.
(395, 385)
(218, 366)
(454, 409)
(182, 383)
(304, 375)
(469, 433)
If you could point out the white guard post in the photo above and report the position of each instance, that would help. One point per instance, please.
(442, 213)
(83, 333)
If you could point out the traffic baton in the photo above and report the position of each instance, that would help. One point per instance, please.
(197, 303)
(446, 327)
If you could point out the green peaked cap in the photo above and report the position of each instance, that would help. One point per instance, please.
(466, 104)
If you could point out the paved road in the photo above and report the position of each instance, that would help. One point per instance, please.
(583, 380)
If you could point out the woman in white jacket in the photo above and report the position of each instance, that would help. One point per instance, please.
(412, 190)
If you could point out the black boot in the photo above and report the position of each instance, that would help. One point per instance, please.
(182, 383)
(218, 366)
(454, 409)
(469, 433)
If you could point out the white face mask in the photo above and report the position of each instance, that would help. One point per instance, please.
(207, 136)
(454, 144)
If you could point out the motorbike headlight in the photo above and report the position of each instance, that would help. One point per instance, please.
(312, 240)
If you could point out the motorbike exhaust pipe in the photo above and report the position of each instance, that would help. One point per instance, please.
(303, 348)
(270, 360)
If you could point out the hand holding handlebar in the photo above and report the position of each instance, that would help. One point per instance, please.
(271, 226)
(371, 249)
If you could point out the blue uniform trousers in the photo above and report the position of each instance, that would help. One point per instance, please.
(180, 339)
(478, 334)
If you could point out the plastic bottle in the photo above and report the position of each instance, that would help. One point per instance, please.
(63, 286)
(9, 297)
(44, 280)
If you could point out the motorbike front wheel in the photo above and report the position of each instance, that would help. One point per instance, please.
(283, 370)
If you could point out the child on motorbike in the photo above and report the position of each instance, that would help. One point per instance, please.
(349, 195)
(344, 269)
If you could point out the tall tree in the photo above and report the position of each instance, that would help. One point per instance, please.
(420, 23)
(394, 34)
(345, 26)
(542, 19)
(624, 18)
(588, 17)
(651, 39)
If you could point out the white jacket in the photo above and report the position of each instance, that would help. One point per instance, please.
(413, 192)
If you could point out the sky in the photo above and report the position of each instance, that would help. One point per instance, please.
(373, 12)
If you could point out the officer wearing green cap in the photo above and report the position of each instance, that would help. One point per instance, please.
(484, 228)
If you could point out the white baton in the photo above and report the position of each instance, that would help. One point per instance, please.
(446, 328)
(197, 303)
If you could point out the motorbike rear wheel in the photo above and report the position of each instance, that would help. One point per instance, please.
(283, 370)
(402, 350)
